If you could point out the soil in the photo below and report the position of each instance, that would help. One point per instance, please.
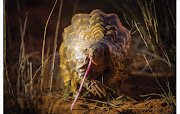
(56, 104)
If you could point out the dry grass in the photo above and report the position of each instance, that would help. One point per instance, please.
(25, 91)
(155, 42)
(150, 20)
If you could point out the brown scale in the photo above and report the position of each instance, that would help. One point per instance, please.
(96, 35)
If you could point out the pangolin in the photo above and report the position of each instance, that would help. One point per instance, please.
(97, 35)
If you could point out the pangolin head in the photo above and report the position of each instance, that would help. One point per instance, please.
(97, 51)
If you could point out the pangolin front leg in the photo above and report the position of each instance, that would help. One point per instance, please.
(93, 86)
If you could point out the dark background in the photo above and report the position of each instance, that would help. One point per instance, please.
(37, 12)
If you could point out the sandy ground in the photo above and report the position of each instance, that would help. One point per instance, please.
(55, 104)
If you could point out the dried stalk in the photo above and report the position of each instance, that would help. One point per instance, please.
(8, 30)
(148, 64)
(38, 71)
(75, 7)
(126, 19)
(10, 88)
(55, 43)
(44, 38)
(31, 81)
(22, 52)
(146, 74)
(140, 34)
(4, 33)
(11, 92)
(171, 15)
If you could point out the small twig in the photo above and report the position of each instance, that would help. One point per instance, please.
(8, 26)
(31, 54)
(134, 32)
(147, 99)
(8, 81)
(146, 19)
(153, 55)
(102, 102)
(93, 101)
(141, 34)
(102, 78)
(146, 74)
(22, 56)
(155, 13)
(165, 54)
(148, 64)
(160, 85)
(38, 70)
(137, 108)
(75, 7)
(126, 20)
(10, 88)
(51, 95)
(133, 26)
(152, 94)
(171, 15)
(110, 89)
(31, 88)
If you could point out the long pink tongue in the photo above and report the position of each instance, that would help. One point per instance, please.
(80, 88)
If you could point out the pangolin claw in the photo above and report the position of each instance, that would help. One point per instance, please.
(96, 87)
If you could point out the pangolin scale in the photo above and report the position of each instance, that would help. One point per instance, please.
(96, 35)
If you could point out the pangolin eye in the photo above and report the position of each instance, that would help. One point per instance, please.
(104, 53)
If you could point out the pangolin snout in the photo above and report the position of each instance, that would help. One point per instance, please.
(97, 51)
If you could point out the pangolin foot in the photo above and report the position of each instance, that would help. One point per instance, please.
(95, 87)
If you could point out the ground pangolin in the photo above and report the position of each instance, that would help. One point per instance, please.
(97, 35)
